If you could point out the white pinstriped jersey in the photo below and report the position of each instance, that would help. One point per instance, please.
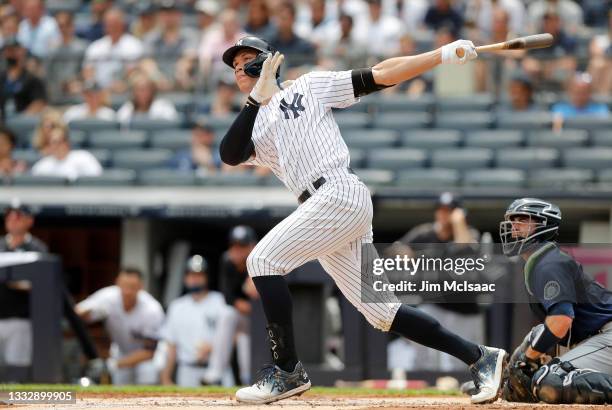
(295, 134)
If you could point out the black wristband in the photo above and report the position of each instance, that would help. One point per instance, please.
(543, 339)
(251, 101)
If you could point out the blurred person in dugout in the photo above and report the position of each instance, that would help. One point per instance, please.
(239, 290)
(450, 226)
(15, 325)
(132, 318)
(198, 333)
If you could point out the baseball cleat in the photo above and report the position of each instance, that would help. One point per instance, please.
(275, 384)
(469, 388)
(487, 374)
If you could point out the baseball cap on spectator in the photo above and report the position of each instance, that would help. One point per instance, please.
(522, 78)
(448, 199)
(17, 205)
(196, 264)
(242, 235)
(208, 7)
(168, 5)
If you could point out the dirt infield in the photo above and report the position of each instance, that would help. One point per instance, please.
(308, 401)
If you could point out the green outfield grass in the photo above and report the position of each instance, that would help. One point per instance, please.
(144, 390)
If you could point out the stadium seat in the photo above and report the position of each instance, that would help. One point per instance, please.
(118, 139)
(171, 139)
(399, 102)
(23, 126)
(375, 177)
(110, 177)
(589, 158)
(605, 176)
(151, 125)
(30, 156)
(531, 120)
(78, 138)
(589, 122)
(551, 139)
(118, 99)
(371, 139)
(54, 6)
(220, 124)
(494, 178)
(141, 159)
(166, 177)
(602, 138)
(494, 139)
(462, 158)
(183, 101)
(401, 121)
(358, 157)
(229, 179)
(560, 178)
(272, 180)
(396, 158)
(38, 180)
(437, 178)
(477, 102)
(351, 120)
(102, 155)
(93, 124)
(431, 139)
(469, 120)
(527, 158)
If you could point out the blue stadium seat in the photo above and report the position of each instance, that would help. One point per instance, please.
(462, 158)
(351, 120)
(30, 156)
(494, 178)
(602, 138)
(531, 120)
(551, 139)
(589, 158)
(527, 158)
(370, 139)
(183, 101)
(54, 6)
(229, 179)
(431, 139)
(78, 138)
(605, 176)
(494, 139)
(429, 178)
(93, 124)
(110, 177)
(151, 125)
(476, 102)
(38, 180)
(402, 121)
(220, 124)
(102, 155)
(171, 139)
(272, 180)
(590, 122)
(468, 120)
(23, 126)
(141, 159)
(358, 157)
(400, 102)
(396, 158)
(560, 178)
(166, 177)
(118, 139)
(375, 177)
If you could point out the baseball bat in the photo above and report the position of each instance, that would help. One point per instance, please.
(521, 43)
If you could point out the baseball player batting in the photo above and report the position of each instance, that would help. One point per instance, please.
(291, 130)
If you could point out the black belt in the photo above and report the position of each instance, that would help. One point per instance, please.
(316, 184)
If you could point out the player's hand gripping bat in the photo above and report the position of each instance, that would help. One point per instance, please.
(521, 43)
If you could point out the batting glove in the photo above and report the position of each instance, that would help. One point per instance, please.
(266, 85)
(449, 52)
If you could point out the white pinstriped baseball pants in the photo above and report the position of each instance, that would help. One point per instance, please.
(331, 226)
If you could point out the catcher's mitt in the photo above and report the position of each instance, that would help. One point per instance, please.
(518, 374)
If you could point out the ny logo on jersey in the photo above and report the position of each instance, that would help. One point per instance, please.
(295, 107)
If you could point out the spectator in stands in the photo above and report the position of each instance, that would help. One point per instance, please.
(318, 28)
(600, 63)
(225, 99)
(206, 12)
(238, 289)
(580, 102)
(571, 14)
(37, 31)
(8, 165)
(412, 13)
(381, 33)
(9, 24)
(62, 161)
(258, 22)
(298, 52)
(442, 14)
(50, 119)
(520, 93)
(94, 106)
(144, 27)
(20, 90)
(15, 325)
(63, 66)
(132, 318)
(414, 87)
(343, 49)
(172, 42)
(202, 155)
(199, 332)
(108, 59)
(95, 30)
(145, 103)
(481, 13)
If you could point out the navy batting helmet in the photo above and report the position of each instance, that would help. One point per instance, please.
(252, 68)
(546, 217)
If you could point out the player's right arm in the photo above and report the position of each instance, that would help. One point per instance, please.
(166, 374)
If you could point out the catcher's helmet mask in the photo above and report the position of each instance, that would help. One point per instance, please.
(253, 67)
(544, 216)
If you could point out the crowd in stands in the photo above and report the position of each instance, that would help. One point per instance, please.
(126, 60)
